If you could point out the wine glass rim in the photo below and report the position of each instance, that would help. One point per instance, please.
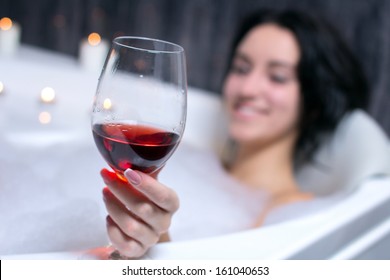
(117, 40)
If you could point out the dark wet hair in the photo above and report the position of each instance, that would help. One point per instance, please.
(331, 79)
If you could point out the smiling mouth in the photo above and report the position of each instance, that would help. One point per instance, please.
(245, 110)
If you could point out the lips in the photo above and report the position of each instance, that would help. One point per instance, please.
(247, 110)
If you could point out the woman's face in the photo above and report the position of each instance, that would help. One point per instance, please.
(262, 91)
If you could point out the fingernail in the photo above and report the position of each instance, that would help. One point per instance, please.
(133, 177)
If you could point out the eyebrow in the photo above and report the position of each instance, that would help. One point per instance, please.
(277, 63)
(241, 56)
(270, 64)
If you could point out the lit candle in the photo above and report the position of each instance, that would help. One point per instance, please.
(107, 104)
(48, 95)
(9, 36)
(92, 52)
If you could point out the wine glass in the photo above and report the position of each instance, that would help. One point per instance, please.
(140, 106)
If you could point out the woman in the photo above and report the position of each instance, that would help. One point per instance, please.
(290, 79)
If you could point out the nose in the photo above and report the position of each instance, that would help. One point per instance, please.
(253, 85)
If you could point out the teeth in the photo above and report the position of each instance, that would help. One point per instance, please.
(245, 110)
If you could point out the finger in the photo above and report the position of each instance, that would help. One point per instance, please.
(153, 215)
(126, 245)
(109, 175)
(130, 225)
(156, 192)
(122, 190)
(155, 173)
(150, 214)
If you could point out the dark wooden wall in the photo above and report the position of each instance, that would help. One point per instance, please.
(204, 28)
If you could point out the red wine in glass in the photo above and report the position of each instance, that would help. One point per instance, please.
(140, 147)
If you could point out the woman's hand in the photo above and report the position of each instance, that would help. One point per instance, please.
(140, 211)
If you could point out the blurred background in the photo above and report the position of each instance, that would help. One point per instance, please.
(204, 28)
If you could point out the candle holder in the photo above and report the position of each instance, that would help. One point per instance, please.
(92, 52)
(9, 36)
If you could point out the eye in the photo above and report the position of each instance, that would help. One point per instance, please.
(239, 68)
(280, 79)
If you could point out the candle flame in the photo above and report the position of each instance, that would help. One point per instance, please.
(107, 104)
(44, 117)
(48, 95)
(5, 23)
(94, 39)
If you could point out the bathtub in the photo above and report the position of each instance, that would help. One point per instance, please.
(338, 233)
(54, 187)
